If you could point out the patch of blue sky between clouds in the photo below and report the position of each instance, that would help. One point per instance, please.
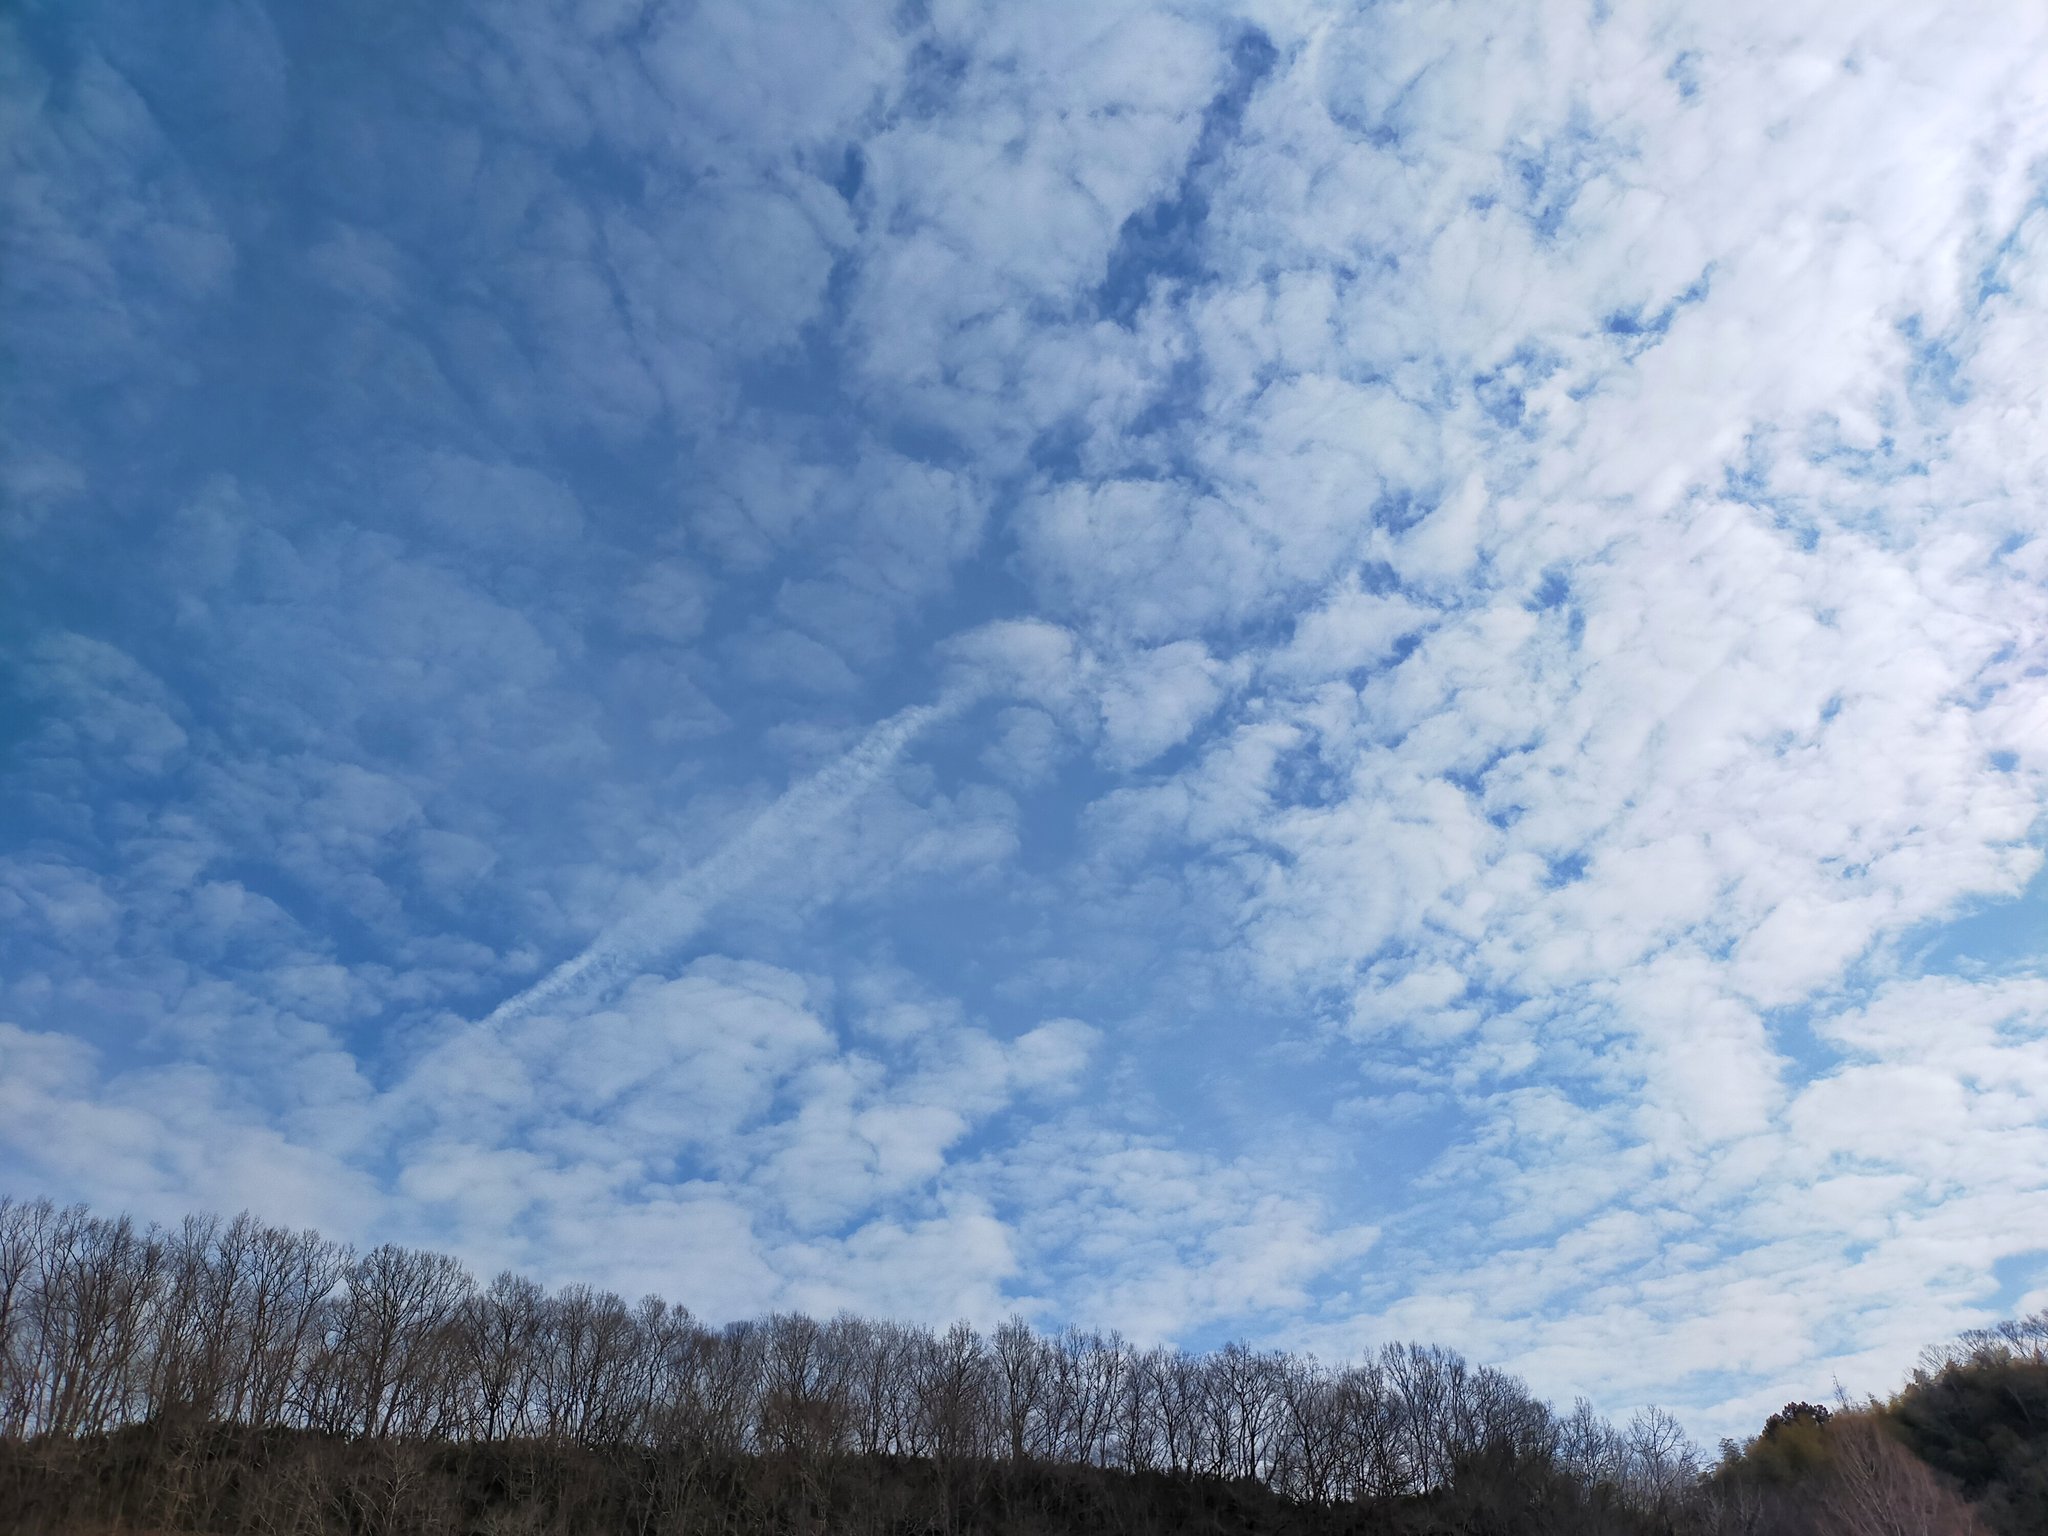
(1318, 674)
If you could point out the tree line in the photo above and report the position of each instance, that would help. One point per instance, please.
(152, 1372)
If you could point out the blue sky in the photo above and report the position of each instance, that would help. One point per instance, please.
(1319, 673)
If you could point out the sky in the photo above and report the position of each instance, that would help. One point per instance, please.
(1316, 673)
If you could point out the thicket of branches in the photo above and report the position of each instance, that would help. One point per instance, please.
(229, 1375)
(107, 1328)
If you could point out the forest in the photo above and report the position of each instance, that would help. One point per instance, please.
(231, 1376)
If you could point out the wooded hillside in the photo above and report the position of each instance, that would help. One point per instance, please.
(234, 1376)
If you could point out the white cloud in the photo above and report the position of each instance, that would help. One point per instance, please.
(1052, 1055)
(1154, 699)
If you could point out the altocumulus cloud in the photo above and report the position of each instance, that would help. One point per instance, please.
(1324, 673)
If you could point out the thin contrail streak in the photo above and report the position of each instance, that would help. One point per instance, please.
(679, 908)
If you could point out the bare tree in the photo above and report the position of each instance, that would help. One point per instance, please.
(1659, 1466)
(394, 1342)
(878, 1386)
(91, 1296)
(1308, 1439)
(804, 1397)
(1876, 1487)
(955, 1392)
(500, 1343)
(1244, 1399)
(1371, 1442)
(21, 1228)
(1021, 1370)
(1424, 1381)
(1176, 1381)
(292, 1280)
(1135, 1428)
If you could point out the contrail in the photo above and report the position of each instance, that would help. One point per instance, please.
(678, 910)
